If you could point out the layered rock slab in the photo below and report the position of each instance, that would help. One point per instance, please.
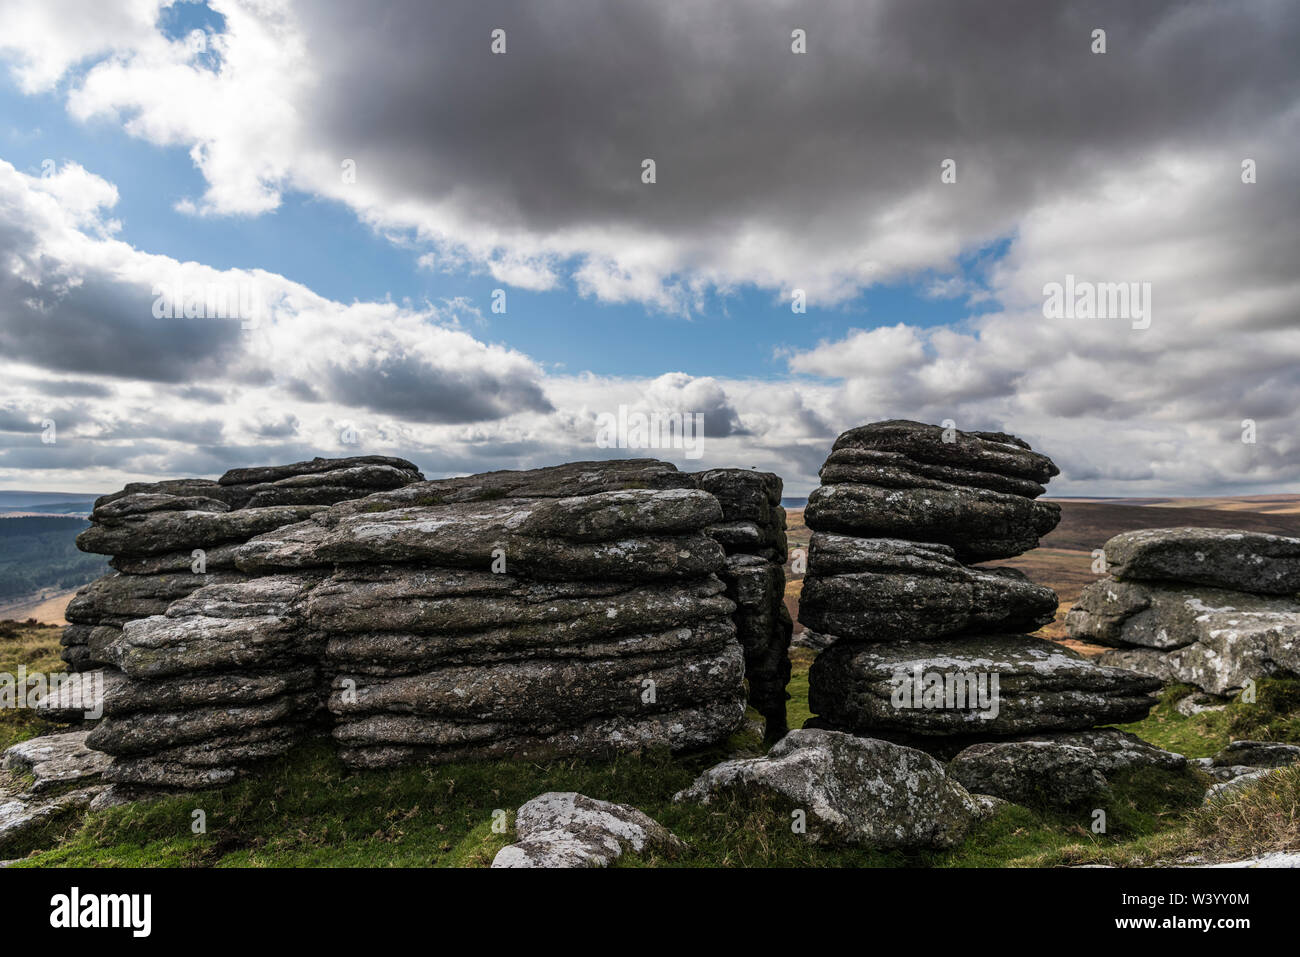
(1056, 769)
(972, 491)
(1193, 629)
(986, 686)
(889, 589)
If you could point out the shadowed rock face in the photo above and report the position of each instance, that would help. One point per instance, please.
(945, 688)
(973, 491)
(886, 589)
(1055, 769)
(978, 524)
(1208, 607)
(752, 532)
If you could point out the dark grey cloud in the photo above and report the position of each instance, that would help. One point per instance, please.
(409, 387)
(551, 135)
(78, 319)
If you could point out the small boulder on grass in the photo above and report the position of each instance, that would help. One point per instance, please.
(1056, 770)
(566, 829)
(1257, 754)
(856, 791)
(1233, 787)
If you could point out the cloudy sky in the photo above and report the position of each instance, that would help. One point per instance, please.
(363, 178)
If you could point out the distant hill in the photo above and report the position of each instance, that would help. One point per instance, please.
(1087, 524)
(39, 553)
(19, 499)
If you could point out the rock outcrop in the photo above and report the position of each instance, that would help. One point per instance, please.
(919, 646)
(44, 783)
(1208, 607)
(563, 612)
(168, 539)
(578, 610)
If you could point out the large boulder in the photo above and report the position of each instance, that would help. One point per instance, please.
(855, 791)
(1057, 769)
(1215, 557)
(1212, 638)
(886, 589)
(567, 829)
(974, 685)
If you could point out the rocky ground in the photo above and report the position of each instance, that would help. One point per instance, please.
(309, 810)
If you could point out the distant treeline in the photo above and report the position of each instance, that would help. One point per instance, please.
(40, 553)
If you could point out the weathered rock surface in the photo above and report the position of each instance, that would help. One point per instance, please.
(43, 782)
(1233, 787)
(55, 761)
(1209, 607)
(567, 829)
(973, 491)
(227, 678)
(752, 532)
(22, 819)
(77, 696)
(559, 481)
(856, 791)
(1275, 860)
(632, 534)
(1214, 557)
(985, 686)
(1058, 769)
(886, 589)
(169, 538)
(980, 525)
(922, 648)
(1208, 637)
(581, 610)
(1198, 702)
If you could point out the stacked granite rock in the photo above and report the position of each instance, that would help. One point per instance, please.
(574, 610)
(752, 532)
(1210, 607)
(903, 616)
(168, 539)
(209, 670)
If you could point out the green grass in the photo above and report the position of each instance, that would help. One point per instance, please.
(37, 648)
(311, 811)
(1273, 716)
